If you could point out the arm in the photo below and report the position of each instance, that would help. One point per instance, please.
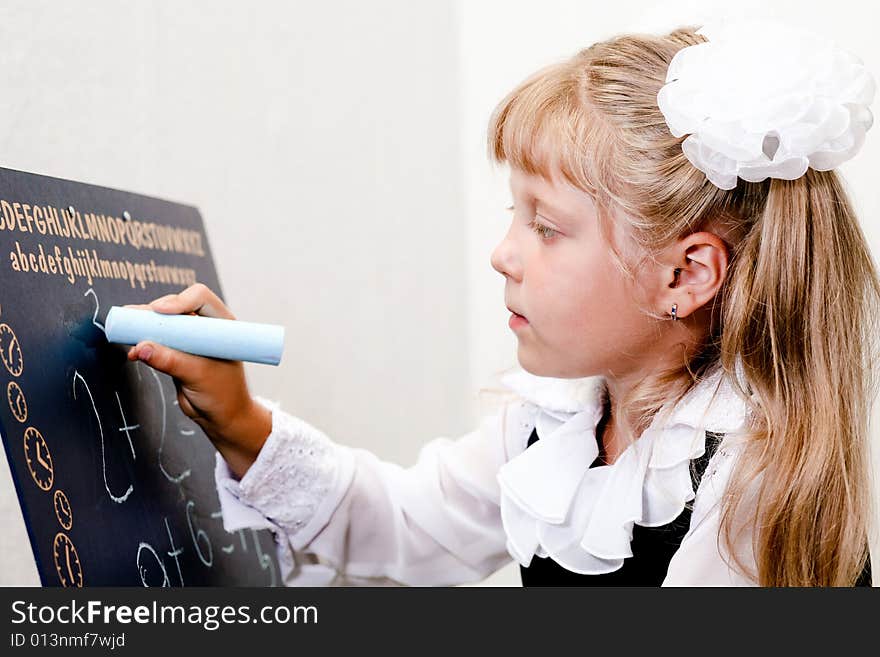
(361, 518)
(437, 522)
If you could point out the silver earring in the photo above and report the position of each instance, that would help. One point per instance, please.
(675, 273)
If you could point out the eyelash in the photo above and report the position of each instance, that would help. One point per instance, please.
(540, 229)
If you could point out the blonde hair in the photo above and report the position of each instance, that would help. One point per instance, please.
(798, 308)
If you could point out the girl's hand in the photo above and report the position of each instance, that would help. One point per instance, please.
(211, 391)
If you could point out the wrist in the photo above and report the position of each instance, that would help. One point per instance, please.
(244, 436)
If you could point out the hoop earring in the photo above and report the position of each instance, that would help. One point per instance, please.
(674, 312)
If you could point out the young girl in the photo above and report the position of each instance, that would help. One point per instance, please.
(695, 322)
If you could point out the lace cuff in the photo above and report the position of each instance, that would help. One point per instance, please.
(297, 482)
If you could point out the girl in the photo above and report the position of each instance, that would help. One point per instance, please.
(696, 353)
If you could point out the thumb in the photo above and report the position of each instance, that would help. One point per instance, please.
(187, 368)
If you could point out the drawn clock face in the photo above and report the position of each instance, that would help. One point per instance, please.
(17, 402)
(10, 351)
(67, 561)
(39, 460)
(62, 510)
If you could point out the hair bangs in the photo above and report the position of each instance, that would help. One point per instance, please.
(541, 128)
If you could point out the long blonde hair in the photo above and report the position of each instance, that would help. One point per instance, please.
(798, 309)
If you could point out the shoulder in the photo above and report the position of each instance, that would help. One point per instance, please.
(703, 558)
(715, 479)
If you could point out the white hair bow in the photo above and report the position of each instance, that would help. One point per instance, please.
(762, 98)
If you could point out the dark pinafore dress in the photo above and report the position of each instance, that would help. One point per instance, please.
(652, 547)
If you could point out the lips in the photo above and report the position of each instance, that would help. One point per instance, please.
(515, 313)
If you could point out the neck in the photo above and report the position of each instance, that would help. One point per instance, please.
(616, 423)
(621, 383)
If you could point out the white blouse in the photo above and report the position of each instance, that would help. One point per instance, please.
(342, 516)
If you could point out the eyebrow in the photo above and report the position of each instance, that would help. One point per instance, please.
(555, 212)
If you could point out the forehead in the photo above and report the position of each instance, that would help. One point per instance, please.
(556, 195)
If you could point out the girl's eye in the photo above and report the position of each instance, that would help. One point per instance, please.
(545, 232)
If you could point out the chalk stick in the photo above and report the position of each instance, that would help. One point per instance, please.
(194, 334)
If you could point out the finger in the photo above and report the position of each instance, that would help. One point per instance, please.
(198, 299)
(187, 368)
(184, 404)
(160, 300)
(147, 306)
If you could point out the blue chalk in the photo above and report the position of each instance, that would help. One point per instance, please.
(204, 336)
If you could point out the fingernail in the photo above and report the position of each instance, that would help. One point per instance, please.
(145, 353)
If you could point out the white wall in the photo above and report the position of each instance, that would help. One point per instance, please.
(337, 153)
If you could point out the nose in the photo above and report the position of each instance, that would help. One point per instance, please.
(503, 257)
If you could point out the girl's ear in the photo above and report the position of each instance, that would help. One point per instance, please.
(699, 272)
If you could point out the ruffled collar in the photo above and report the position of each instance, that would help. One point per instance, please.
(554, 504)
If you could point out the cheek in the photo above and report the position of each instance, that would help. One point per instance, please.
(581, 281)
(593, 302)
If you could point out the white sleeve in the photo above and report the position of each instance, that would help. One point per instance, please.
(702, 560)
(341, 515)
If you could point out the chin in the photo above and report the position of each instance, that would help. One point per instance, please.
(537, 369)
(550, 370)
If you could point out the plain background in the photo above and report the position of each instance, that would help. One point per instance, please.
(337, 153)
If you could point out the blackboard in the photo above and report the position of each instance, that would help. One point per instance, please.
(115, 483)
